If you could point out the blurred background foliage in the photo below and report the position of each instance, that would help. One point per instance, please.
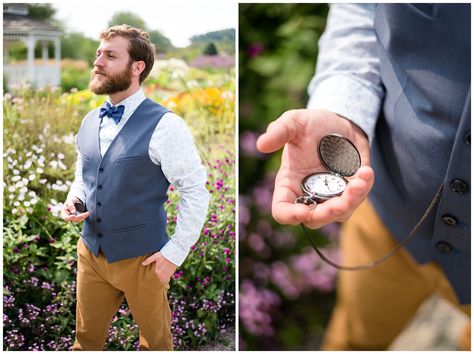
(286, 292)
(78, 51)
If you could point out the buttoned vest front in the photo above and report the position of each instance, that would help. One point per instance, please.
(423, 134)
(125, 191)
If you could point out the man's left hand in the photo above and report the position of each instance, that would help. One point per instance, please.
(164, 269)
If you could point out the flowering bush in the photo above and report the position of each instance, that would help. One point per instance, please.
(40, 249)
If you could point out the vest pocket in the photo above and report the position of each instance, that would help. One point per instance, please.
(128, 159)
(130, 228)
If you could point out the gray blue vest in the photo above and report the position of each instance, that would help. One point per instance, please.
(423, 134)
(125, 190)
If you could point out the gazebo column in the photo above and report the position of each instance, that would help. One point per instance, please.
(44, 52)
(30, 44)
(57, 60)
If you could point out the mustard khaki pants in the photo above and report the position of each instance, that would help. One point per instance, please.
(373, 306)
(101, 287)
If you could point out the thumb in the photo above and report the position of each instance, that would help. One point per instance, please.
(280, 131)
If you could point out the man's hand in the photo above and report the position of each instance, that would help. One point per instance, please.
(164, 269)
(69, 212)
(300, 131)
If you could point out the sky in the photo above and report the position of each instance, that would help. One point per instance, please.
(178, 20)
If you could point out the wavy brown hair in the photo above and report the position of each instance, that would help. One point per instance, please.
(140, 48)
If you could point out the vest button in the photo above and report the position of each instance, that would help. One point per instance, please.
(459, 186)
(99, 234)
(101, 170)
(99, 220)
(449, 220)
(99, 204)
(99, 188)
(444, 247)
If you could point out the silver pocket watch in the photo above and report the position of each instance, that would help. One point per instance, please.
(340, 156)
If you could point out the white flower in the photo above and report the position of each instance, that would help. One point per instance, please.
(14, 211)
(69, 139)
(62, 166)
(16, 172)
(33, 201)
(29, 210)
(17, 203)
(27, 203)
(11, 189)
(21, 197)
(43, 181)
(54, 164)
(32, 193)
(61, 156)
(23, 190)
(31, 177)
(27, 164)
(11, 196)
(39, 170)
(19, 184)
(16, 178)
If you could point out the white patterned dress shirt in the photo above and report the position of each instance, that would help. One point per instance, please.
(171, 147)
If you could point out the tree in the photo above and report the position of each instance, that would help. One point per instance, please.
(227, 35)
(129, 18)
(75, 45)
(43, 12)
(210, 49)
(161, 42)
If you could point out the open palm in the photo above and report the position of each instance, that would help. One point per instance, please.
(299, 133)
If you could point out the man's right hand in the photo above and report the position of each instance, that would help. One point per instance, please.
(69, 212)
(299, 132)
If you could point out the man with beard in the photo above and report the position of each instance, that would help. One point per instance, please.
(129, 151)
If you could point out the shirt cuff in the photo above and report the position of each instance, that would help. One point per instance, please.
(174, 253)
(78, 193)
(349, 98)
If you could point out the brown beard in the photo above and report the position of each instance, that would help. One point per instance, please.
(111, 84)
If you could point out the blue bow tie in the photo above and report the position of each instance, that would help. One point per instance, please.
(114, 112)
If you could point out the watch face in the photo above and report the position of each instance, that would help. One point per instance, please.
(324, 185)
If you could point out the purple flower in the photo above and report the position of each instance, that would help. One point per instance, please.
(254, 50)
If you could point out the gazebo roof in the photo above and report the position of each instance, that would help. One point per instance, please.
(23, 24)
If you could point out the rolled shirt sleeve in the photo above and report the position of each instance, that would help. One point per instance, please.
(347, 79)
(172, 147)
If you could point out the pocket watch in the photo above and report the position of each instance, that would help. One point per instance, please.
(342, 159)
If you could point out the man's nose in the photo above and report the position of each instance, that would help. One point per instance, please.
(99, 61)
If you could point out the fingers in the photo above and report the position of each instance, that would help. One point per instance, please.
(151, 259)
(69, 212)
(285, 129)
(68, 209)
(76, 218)
(285, 211)
(341, 208)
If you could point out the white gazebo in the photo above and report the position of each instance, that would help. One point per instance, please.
(19, 27)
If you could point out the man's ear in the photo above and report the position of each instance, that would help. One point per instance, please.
(138, 67)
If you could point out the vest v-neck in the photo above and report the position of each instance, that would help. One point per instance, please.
(127, 123)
